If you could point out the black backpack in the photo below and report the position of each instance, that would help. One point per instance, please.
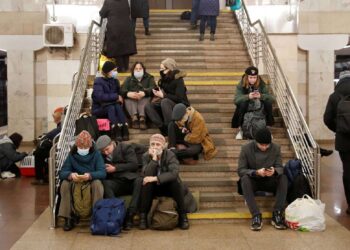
(88, 123)
(254, 119)
(343, 115)
(299, 187)
(186, 15)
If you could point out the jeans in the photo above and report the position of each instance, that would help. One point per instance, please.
(211, 21)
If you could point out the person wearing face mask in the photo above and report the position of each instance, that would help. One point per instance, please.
(107, 101)
(189, 129)
(83, 163)
(250, 88)
(137, 91)
(171, 90)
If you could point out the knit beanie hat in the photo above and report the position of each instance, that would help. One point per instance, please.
(179, 111)
(102, 142)
(157, 138)
(252, 71)
(263, 136)
(108, 67)
(83, 140)
(169, 63)
(16, 139)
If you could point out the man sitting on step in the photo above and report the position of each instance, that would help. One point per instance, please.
(188, 135)
(260, 169)
(122, 177)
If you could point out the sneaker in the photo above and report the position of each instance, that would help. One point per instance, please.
(278, 220)
(7, 174)
(135, 123)
(256, 223)
(239, 135)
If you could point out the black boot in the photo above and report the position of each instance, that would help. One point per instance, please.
(125, 132)
(118, 132)
(147, 33)
(68, 224)
(128, 221)
(183, 222)
(143, 221)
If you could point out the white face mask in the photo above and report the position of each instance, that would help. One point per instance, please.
(114, 74)
(138, 74)
(83, 151)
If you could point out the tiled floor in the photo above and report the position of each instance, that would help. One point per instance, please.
(21, 204)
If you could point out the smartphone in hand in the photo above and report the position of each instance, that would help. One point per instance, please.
(156, 88)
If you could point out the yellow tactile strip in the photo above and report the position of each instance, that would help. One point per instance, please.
(225, 215)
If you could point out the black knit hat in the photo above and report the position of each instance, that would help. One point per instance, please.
(179, 111)
(252, 71)
(108, 67)
(16, 139)
(263, 136)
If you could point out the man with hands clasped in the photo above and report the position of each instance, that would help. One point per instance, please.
(260, 169)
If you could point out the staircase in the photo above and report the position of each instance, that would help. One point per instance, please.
(213, 68)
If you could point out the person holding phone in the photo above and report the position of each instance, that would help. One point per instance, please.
(260, 169)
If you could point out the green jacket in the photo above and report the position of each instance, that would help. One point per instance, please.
(131, 84)
(242, 93)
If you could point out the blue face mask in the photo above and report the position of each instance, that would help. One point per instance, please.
(83, 152)
(114, 74)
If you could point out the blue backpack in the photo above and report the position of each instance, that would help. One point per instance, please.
(292, 169)
(108, 217)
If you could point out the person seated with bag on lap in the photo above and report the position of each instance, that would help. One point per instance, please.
(9, 155)
(137, 91)
(189, 131)
(171, 90)
(42, 151)
(251, 88)
(260, 169)
(83, 164)
(107, 101)
(161, 178)
(122, 177)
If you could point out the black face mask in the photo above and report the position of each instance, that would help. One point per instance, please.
(162, 74)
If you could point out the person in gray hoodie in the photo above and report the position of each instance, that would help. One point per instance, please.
(9, 155)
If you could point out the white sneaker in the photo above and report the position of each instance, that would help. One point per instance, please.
(239, 135)
(7, 174)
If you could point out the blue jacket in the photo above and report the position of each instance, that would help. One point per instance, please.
(92, 163)
(106, 91)
(209, 8)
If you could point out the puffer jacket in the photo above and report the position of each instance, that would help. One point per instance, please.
(8, 153)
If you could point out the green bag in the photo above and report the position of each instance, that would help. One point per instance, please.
(82, 199)
(163, 215)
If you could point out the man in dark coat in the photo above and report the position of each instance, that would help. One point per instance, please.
(140, 8)
(120, 38)
(342, 140)
(208, 11)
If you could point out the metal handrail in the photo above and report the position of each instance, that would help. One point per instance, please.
(80, 2)
(88, 64)
(262, 53)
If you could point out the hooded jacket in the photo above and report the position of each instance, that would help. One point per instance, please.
(174, 88)
(106, 91)
(8, 153)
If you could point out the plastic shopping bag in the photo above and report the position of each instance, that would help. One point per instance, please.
(306, 214)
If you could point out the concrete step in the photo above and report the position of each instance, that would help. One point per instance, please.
(175, 52)
(179, 59)
(161, 40)
(179, 30)
(193, 47)
(189, 35)
(184, 24)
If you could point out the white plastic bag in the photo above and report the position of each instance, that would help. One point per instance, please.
(306, 214)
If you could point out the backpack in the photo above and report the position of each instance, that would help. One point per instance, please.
(292, 169)
(88, 123)
(108, 217)
(163, 215)
(186, 15)
(343, 115)
(299, 188)
(81, 199)
(254, 119)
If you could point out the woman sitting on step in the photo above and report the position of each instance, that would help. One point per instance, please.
(107, 101)
(171, 90)
(137, 90)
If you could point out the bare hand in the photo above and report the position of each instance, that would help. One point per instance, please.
(84, 177)
(153, 154)
(149, 179)
(185, 130)
(251, 95)
(132, 95)
(110, 168)
(158, 93)
(141, 95)
(270, 172)
(120, 99)
(261, 172)
(257, 95)
(75, 177)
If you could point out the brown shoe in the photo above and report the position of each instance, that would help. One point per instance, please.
(143, 124)
(135, 123)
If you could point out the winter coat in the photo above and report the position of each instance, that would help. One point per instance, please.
(251, 158)
(8, 154)
(139, 8)
(209, 8)
(124, 157)
(199, 134)
(106, 91)
(174, 88)
(120, 37)
(91, 163)
(342, 141)
(131, 84)
(52, 134)
(242, 93)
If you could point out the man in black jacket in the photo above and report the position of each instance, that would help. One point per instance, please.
(122, 177)
(342, 140)
(260, 169)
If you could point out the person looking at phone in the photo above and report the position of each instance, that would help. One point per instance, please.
(172, 90)
(83, 164)
(260, 169)
(161, 178)
(251, 88)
